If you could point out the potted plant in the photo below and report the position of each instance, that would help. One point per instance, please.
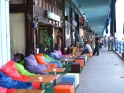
(47, 40)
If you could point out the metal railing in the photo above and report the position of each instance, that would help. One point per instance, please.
(119, 47)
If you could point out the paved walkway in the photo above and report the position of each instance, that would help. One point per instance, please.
(102, 74)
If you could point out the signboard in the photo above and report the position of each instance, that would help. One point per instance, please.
(53, 16)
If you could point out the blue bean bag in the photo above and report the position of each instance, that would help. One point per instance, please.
(53, 62)
(56, 52)
(8, 82)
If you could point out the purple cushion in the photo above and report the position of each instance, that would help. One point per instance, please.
(32, 66)
(37, 69)
(30, 60)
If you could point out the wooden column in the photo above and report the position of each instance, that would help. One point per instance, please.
(29, 28)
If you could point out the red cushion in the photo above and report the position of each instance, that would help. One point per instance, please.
(5, 90)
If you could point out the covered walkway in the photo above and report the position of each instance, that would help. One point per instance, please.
(102, 74)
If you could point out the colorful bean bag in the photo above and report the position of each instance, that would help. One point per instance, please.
(23, 71)
(39, 58)
(5, 90)
(74, 50)
(59, 64)
(60, 53)
(48, 57)
(32, 66)
(11, 70)
(56, 53)
(7, 82)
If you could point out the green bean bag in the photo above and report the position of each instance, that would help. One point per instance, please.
(23, 71)
(49, 58)
(52, 60)
(21, 62)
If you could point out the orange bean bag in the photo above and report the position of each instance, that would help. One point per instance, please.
(90, 54)
(40, 60)
(11, 70)
(64, 89)
(81, 62)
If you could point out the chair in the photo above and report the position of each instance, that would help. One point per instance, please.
(10, 70)
(74, 49)
(51, 61)
(40, 60)
(5, 90)
(23, 71)
(64, 89)
(65, 49)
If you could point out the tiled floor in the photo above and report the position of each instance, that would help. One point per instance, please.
(102, 74)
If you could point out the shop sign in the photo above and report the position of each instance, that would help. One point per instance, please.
(53, 16)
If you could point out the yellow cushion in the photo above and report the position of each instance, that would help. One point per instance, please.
(65, 49)
(74, 49)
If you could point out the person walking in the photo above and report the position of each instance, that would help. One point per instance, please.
(101, 41)
(105, 41)
(96, 45)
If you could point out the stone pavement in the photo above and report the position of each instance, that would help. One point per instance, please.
(102, 74)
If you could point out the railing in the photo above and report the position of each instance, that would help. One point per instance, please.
(119, 47)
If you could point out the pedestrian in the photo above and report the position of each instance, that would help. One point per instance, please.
(96, 45)
(105, 41)
(101, 41)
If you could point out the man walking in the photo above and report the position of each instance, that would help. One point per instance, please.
(96, 45)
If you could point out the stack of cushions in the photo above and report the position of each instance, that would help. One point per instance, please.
(10, 70)
(51, 61)
(5, 90)
(7, 82)
(23, 71)
(39, 58)
(32, 66)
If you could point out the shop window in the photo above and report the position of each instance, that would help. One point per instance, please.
(17, 32)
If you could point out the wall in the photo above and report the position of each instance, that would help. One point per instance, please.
(4, 32)
(17, 32)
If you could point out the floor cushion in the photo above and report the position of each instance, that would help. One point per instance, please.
(10, 69)
(23, 71)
